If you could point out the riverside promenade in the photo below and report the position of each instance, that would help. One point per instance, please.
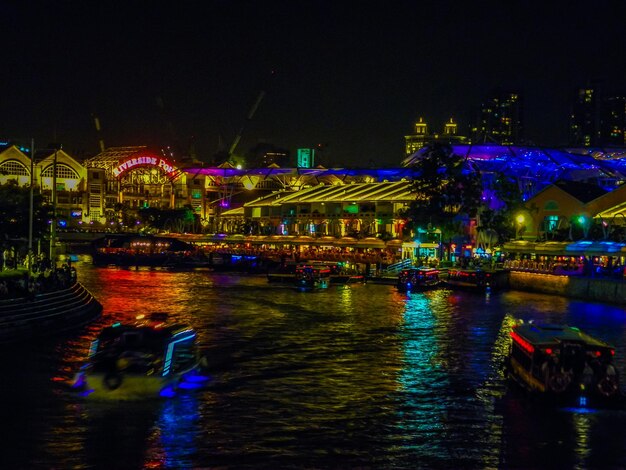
(580, 287)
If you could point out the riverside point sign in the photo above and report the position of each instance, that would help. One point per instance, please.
(160, 163)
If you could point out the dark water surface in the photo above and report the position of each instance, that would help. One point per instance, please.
(353, 377)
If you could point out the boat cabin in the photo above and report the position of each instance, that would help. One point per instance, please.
(418, 279)
(150, 348)
(312, 276)
(559, 360)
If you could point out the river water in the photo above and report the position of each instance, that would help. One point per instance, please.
(353, 377)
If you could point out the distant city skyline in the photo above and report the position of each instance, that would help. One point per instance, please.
(352, 77)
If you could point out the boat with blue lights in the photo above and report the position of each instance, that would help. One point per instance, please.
(562, 363)
(148, 359)
(311, 277)
(418, 279)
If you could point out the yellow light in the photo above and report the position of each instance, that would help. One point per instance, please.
(520, 219)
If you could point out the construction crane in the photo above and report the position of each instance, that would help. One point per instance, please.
(253, 109)
(96, 122)
(255, 106)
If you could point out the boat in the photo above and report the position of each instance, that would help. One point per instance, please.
(147, 359)
(143, 250)
(475, 279)
(311, 277)
(562, 363)
(284, 273)
(342, 273)
(418, 279)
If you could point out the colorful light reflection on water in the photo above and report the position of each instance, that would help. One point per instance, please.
(356, 376)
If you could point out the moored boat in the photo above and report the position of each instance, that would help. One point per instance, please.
(312, 277)
(418, 279)
(561, 362)
(145, 360)
(479, 280)
(342, 273)
(285, 273)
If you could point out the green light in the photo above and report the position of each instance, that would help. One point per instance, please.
(581, 220)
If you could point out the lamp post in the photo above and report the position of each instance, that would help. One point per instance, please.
(53, 223)
(31, 198)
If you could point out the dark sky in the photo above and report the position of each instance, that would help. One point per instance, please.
(351, 75)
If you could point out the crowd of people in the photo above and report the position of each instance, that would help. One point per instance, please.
(32, 275)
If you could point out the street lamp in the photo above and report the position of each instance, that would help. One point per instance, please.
(53, 224)
(31, 199)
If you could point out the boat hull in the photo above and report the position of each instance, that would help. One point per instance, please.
(124, 386)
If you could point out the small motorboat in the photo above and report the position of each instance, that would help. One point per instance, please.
(563, 363)
(148, 359)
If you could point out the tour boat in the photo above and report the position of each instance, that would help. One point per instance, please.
(476, 279)
(341, 273)
(312, 277)
(148, 359)
(418, 279)
(561, 362)
(285, 273)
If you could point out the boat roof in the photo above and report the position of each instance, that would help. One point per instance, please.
(547, 334)
(148, 331)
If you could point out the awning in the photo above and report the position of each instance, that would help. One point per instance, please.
(369, 242)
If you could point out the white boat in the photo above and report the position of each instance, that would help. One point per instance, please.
(149, 359)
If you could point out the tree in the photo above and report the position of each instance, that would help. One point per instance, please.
(15, 213)
(172, 220)
(497, 219)
(448, 192)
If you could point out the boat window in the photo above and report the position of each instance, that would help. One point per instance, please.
(184, 355)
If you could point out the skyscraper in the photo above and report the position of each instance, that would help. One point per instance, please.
(613, 127)
(585, 117)
(598, 117)
(501, 119)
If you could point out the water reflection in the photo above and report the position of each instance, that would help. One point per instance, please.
(173, 441)
(354, 377)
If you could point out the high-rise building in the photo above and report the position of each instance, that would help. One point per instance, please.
(422, 136)
(598, 117)
(501, 119)
(613, 127)
(585, 117)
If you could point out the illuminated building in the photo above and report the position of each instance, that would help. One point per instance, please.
(585, 118)
(422, 136)
(98, 191)
(598, 118)
(501, 119)
(613, 127)
(135, 178)
(71, 178)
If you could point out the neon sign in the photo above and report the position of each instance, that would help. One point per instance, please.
(160, 163)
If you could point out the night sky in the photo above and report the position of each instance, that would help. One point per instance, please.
(353, 76)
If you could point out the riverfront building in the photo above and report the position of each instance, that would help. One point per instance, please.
(102, 191)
